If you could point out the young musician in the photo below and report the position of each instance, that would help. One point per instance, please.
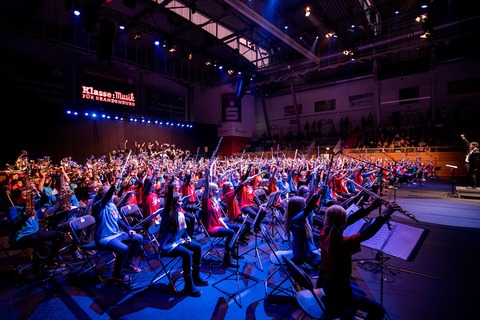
(174, 241)
(342, 299)
(213, 222)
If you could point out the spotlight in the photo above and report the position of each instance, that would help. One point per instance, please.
(330, 35)
(307, 11)
(425, 35)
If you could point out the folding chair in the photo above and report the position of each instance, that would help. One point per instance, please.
(167, 264)
(276, 260)
(308, 297)
(92, 253)
(213, 241)
(132, 214)
(261, 195)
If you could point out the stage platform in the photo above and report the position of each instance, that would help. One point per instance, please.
(465, 192)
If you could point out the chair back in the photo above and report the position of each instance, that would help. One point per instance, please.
(130, 209)
(131, 214)
(78, 226)
(308, 297)
(82, 222)
(300, 277)
(189, 206)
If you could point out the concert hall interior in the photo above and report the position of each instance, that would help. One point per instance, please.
(356, 101)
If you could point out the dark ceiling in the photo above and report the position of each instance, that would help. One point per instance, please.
(380, 38)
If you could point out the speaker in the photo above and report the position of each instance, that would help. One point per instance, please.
(105, 39)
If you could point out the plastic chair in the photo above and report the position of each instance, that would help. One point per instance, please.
(308, 297)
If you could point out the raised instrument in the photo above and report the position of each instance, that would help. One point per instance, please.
(373, 194)
(214, 154)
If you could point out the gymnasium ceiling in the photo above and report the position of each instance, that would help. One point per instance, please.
(275, 58)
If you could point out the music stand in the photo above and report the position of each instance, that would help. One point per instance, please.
(236, 276)
(269, 206)
(256, 228)
(396, 239)
(453, 193)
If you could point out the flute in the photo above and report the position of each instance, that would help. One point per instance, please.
(373, 194)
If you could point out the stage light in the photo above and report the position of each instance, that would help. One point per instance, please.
(330, 35)
(307, 11)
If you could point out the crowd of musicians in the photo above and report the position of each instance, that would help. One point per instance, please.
(227, 194)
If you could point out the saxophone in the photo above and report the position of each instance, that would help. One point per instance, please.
(64, 194)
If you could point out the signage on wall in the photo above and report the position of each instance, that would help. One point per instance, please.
(231, 108)
(107, 90)
(361, 100)
(115, 97)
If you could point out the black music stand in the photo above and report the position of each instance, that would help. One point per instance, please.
(256, 228)
(270, 207)
(236, 276)
(454, 193)
(396, 239)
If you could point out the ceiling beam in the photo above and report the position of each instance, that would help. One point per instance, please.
(262, 22)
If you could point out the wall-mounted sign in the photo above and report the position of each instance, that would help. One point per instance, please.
(231, 108)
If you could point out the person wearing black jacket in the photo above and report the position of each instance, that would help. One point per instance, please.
(472, 162)
(342, 299)
(174, 241)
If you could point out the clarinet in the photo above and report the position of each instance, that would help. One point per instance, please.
(214, 154)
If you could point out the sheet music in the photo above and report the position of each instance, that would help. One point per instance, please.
(401, 242)
(352, 209)
(404, 241)
(354, 227)
(379, 240)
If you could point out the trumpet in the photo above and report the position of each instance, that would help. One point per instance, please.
(373, 194)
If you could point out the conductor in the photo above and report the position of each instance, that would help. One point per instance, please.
(472, 160)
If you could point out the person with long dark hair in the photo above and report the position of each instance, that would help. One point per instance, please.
(211, 216)
(174, 241)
